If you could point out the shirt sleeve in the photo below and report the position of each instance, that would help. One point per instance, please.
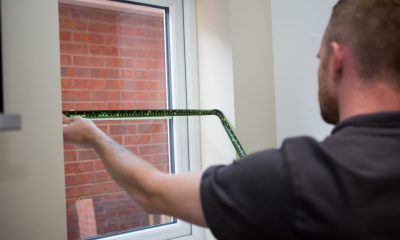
(249, 199)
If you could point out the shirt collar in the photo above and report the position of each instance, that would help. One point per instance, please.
(374, 120)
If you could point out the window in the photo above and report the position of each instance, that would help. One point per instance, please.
(118, 55)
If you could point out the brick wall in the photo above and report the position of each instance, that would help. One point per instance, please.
(112, 60)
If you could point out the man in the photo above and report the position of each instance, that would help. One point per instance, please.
(346, 187)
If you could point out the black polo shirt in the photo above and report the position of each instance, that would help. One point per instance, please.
(346, 187)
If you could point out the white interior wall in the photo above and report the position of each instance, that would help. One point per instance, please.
(253, 70)
(215, 79)
(298, 27)
(31, 160)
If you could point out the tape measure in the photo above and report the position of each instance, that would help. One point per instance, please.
(122, 114)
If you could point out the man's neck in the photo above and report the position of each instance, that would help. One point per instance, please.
(365, 99)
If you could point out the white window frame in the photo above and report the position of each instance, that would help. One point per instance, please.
(184, 94)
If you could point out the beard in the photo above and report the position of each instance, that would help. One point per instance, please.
(328, 101)
(328, 104)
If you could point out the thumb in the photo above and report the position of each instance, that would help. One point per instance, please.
(64, 118)
(67, 120)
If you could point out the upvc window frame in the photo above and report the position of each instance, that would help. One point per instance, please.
(181, 45)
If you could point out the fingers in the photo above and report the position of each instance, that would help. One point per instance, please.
(67, 120)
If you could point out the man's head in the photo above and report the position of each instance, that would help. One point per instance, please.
(370, 30)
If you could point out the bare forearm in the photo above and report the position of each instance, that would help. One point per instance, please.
(176, 195)
(135, 175)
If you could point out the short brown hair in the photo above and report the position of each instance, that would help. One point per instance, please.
(371, 30)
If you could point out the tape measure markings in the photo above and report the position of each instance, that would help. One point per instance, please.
(113, 114)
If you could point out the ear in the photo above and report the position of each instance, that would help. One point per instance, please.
(337, 61)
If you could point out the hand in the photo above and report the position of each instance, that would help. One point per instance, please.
(80, 131)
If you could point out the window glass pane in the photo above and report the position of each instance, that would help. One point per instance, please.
(112, 57)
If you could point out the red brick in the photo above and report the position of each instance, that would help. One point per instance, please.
(149, 64)
(156, 75)
(148, 44)
(65, 60)
(73, 48)
(91, 106)
(133, 74)
(88, 61)
(71, 180)
(121, 106)
(104, 73)
(118, 62)
(125, 30)
(121, 84)
(154, 33)
(112, 62)
(159, 138)
(148, 85)
(72, 24)
(156, 54)
(74, 72)
(103, 28)
(85, 37)
(158, 96)
(86, 178)
(106, 187)
(66, 106)
(126, 42)
(86, 13)
(70, 207)
(82, 37)
(70, 147)
(89, 84)
(97, 38)
(85, 190)
(153, 149)
(142, 20)
(65, 36)
(110, 40)
(110, 17)
(67, 83)
(149, 106)
(78, 167)
(126, 51)
(70, 156)
(136, 31)
(123, 129)
(137, 139)
(75, 95)
(64, 10)
(101, 176)
(98, 165)
(136, 96)
(139, 53)
(105, 96)
(152, 128)
(103, 50)
(80, 191)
